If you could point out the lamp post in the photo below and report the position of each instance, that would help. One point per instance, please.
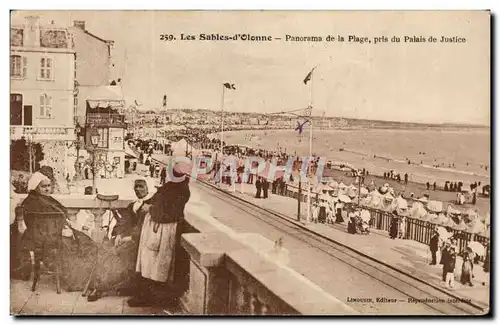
(78, 132)
(94, 140)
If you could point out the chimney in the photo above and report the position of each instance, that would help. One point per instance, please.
(32, 23)
(32, 31)
(79, 24)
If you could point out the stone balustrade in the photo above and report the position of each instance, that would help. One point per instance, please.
(42, 132)
(223, 271)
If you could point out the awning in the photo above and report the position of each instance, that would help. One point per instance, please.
(129, 153)
(105, 96)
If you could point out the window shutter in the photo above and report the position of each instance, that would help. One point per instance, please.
(25, 67)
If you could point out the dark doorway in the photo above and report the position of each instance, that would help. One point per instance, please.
(16, 109)
(28, 115)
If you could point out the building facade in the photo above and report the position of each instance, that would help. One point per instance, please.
(93, 67)
(42, 74)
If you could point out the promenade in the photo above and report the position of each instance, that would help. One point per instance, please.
(406, 255)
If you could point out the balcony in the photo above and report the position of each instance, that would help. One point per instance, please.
(226, 272)
(106, 120)
(37, 133)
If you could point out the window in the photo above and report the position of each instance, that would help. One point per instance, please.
(75, 108)
(46, 72)
(103, 139)
(45, 106)
(18, 66)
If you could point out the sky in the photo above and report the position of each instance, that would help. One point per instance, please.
(413, 82)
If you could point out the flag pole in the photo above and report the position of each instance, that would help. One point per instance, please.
(222, 134)
(310, 150)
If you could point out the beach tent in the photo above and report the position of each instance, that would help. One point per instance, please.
(450, 223)
(477, 248)
(450, 210)
(344, 198)
(418, 211)
(435, 206)
(476, 226)
(443, 233)
(460, 226)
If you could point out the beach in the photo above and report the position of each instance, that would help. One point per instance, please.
(382, 150)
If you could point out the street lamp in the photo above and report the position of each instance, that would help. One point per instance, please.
(94, 140)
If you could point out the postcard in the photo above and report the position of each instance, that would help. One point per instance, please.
(250, 163)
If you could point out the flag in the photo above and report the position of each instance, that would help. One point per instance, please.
(164, 100)
(300, 127)
(229, 86)
(309, 75)
(136, 103)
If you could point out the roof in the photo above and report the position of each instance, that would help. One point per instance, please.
(106, 93)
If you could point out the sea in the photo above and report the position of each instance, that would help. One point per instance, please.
(427, 155)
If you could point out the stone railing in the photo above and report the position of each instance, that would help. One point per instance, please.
(233, 273)
(65, 133)
(221, 271)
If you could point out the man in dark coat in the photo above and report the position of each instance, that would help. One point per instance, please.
(265, 187)
(282, 186)
(434, 246)
(258, 185)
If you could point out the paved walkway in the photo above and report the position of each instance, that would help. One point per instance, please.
(46, 301)
(409, 256)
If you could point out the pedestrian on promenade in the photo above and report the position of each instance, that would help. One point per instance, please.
(163, 175)
(265, 187)
(339, 206)
(394, 227)
(444, 257)
(434, 186)
(428, 185)
(282, 185)
(467, 267)
(449, 266)
(434, 246)
(406, 178)
(258, 186)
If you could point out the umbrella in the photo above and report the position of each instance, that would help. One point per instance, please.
(435, 206)
(365, 215)
(476, 226)
(471, 213)
(423, 199)
(450, 223)
(401, 203)
(403, 212)
(327, 188)
(351, 194)
(325, 197)
(443, 233)
(476, 247)
(333, 184)
(344, 198)
(389, 197)
(451, 210)
(418, 211)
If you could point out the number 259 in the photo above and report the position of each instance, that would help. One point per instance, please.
(165, 37)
